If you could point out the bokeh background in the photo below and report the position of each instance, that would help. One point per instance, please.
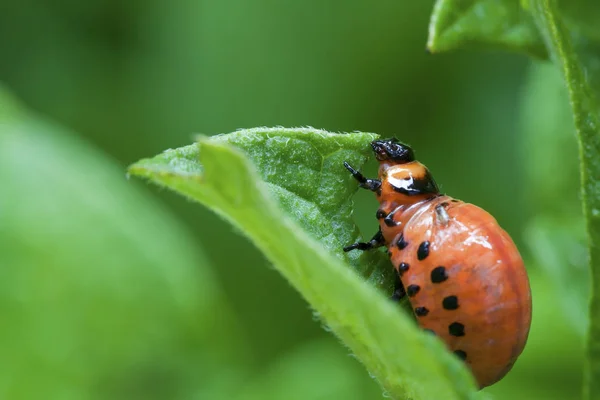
(130, 79)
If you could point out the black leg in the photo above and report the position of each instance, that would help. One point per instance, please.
(371, 184)
(399, 291)
(375, 242)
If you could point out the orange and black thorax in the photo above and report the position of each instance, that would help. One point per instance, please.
(405, 187)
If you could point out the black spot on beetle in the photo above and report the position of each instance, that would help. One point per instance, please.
(401, 243)
(421, 311)
(461, 354)
(456, 329)
(402, 268)
(380, 214)
(389, 221)
(438, 274)
(450, 303)
(423, 250)
(411, 290)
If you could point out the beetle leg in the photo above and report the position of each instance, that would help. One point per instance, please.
(399, 291)
(376, 241)
(373, 185)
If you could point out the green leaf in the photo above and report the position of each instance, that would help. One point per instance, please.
(502, 24)
(304, 172)
(579, 71)
(406, 361)
(102, 294)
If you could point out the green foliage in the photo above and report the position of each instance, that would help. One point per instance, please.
(407, 362)
(483, 23)
(585, 110)
(131, 86)
(571, 39)
(306, 176)
(102, 294)
(556, 233)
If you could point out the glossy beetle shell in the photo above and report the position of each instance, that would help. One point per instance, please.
(462, 272)
(483, 285)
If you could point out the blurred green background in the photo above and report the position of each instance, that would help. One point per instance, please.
(90, 260)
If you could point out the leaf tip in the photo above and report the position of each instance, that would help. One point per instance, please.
(429, 49)
(432, 45)
(200, 137)
(136, 170)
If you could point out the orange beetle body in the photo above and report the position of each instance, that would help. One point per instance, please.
(463, 275)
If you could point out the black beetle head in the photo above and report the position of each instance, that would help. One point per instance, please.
(392, 150)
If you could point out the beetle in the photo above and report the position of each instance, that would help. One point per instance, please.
(462, 273)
